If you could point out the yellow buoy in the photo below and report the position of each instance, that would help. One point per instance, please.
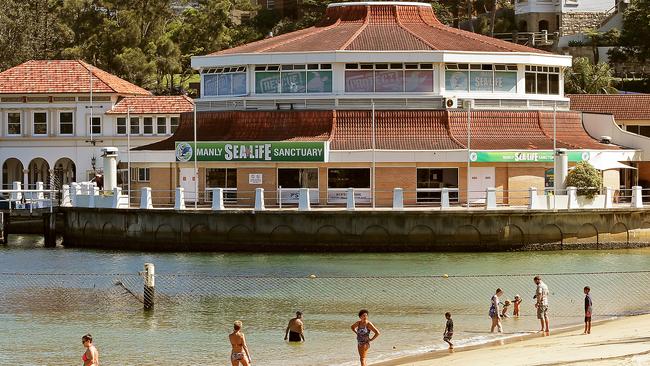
(445, 276)
(312, 276)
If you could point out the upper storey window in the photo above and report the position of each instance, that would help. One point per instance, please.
(542, 80)
(389, 78)
(481, 78)
(224, 81)
(293, 79)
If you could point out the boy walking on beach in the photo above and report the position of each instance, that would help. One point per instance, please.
(449, 330)
(588, 309)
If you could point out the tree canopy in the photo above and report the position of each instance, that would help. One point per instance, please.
(634, 39)
(586, 78)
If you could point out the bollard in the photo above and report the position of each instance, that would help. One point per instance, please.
(637, 197)
(259, 199)
(533, 200)
(4, 225)
(609, 197)
(398, 199)
(49, 229)
(217, 199)
(491, 198)
(572, 193)
(65, 196)
(444, 198)
(350, 205)
(149, 285)
(179, 199)
(145, 198)
(303, 200)
(117, 194)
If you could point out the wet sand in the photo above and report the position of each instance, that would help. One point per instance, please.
(622, 341)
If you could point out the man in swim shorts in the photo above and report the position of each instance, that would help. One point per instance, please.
(295, 329)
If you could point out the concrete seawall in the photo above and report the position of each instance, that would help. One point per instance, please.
(169, 230)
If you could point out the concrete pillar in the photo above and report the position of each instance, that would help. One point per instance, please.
(609, 197)
(26, 178)
(637, 197)
(217, 199)
(444, 198)
(491, 198)
(49, 229)
(149, 285)
(572, 196)
(349, 203)
(533, 200)
(110, 168)
(65, 196)
(4, 226)
(560, 170)
(145, 198)
(303, 200)
(259, 199)
(398, 199)
(16, 196)
(117, 194)
(179, 199)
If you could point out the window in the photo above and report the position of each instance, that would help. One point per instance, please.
(147, 125)
(395, 78)
(96, 126)
(348, 178)
(225, 178)
(161, 125)
(298, 178)
(121, 125)
(293, 79)
(431, 180)
(542, 80)
(134, 126)
(224, 81)
(481, 78)
(66, 126)
(173, 123)
(14, 124)
(39, 124)
(140, 174)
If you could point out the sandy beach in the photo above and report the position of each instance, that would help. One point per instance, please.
(623, 341)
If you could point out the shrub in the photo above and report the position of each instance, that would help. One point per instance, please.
(586, 178)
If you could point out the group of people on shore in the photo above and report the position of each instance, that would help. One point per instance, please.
(366, 332)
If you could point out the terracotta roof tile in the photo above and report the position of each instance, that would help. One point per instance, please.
(385, 27)
(623, 107)
(153, 104)
(62, 76)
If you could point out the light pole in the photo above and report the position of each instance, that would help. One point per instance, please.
(196, 168)
(128, 155)
(468, 105)
(372, 181)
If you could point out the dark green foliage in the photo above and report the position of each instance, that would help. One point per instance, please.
(586, 78)
(586, 178)
(634, 39)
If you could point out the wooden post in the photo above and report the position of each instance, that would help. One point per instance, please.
(49, 229)
(4, 225)
(149, 286)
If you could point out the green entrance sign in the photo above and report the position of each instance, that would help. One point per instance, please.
(527, 156)
(250, 151)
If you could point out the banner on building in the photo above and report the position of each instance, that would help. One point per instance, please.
(531, 156)
(312, 151)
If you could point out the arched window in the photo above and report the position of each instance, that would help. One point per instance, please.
(543, 25)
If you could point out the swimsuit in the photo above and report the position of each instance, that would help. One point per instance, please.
(237, 356)
(363, 335)
(294, 336)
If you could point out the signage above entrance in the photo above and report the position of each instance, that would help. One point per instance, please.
(251, 151)
(527, 156)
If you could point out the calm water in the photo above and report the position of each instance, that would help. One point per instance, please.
(408, 311)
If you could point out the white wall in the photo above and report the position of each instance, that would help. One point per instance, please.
(564, 6)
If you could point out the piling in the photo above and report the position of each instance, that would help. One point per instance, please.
(4, 226)
(149, 286)
(49, 229)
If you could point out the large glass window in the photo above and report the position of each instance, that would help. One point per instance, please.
(225, 178)
(134, 126)
(147, 125)
(14, 123)
(66, 126)
(542, 80)
(290, 180)
(293, 79)
(348, 178)
(161, 125)
(40, 124)
(121, 125)
(388, 78)
(431, 180)
(481, 78)
(224, 81)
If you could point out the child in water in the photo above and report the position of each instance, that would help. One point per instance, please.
(504, 311)
(516, 302)
(449, 330)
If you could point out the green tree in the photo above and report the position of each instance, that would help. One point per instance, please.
(586, 178)
(586, 78)
(634, 39)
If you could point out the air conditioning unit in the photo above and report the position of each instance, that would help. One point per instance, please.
(450, 103)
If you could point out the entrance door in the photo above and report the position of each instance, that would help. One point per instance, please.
(481, 179)
(188, 179)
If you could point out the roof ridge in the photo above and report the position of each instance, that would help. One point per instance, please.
(447, 114)
(304, 35)
(90, 67)
(333, 126)
(399, 23)
(358, 32)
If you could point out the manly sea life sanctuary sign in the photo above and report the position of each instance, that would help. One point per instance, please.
(251, 151)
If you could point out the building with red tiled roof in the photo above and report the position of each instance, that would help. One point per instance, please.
(57, 115)
(377, 96)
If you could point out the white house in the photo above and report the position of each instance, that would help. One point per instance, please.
(566, 17)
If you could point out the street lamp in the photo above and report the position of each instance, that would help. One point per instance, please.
(467, 104)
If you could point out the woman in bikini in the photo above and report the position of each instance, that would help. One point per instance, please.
(239, 354)
(362, 329)
(91, 356)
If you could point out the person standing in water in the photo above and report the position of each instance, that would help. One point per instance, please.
(239, 354)
(362, 329)
(91, 356)
(541, 296)
(295, 329)
(449, 330)
(494, 311)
